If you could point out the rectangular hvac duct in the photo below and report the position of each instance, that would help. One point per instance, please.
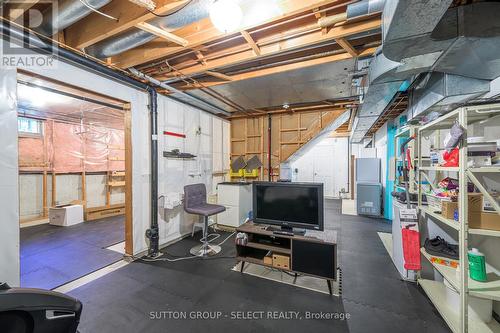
(441, 92)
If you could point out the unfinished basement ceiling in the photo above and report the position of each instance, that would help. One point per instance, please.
(309, 84)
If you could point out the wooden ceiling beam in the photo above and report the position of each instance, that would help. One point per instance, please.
(239, 115)
(251, 42)
(95, 27)
(281, 46)
(203, 32)
(162, 33)
(200, 57)
(219, 75)
(282, 68)
(347, 46)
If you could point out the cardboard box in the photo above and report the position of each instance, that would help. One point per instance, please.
(281, 261)
(448, 209)
(475, 206)
(485, 220)
(268, 259)
(65, 216)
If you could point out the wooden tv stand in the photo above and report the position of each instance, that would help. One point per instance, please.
(313, 254)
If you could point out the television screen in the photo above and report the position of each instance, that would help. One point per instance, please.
(292, 204)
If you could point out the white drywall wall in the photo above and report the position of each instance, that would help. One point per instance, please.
(326, 162)
(9, 201)
(207, 137)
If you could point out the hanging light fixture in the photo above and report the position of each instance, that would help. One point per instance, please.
(226, 15)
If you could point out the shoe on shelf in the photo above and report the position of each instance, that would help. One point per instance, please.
(440, 248)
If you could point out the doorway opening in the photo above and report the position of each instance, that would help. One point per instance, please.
(74, 181)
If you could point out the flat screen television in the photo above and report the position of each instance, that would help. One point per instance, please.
(288, 205)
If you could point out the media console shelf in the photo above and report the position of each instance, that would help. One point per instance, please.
(313, 254)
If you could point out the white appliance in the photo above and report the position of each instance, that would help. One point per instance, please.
(237, 198)
(65, 216)
(397, 244)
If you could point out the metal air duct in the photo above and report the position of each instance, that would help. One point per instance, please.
(194, 11)
(464, 40)
(441, 92)
(68, 12)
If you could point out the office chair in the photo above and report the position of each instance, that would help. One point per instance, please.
(26, 310)
(195, 202)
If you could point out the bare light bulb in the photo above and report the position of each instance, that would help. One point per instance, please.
(226, 15)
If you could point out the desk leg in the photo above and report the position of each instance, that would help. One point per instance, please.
(329, 286)
(242, 265)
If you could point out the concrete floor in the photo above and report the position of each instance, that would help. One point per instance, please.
(132, 298)
(52, 256)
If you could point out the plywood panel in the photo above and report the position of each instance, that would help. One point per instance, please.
(289, 131)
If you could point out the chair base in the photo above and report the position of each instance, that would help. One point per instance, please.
(205, 250)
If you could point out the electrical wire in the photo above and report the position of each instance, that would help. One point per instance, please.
(175, 12)
(190, 257)
(84, 2)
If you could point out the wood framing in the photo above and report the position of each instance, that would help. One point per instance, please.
(162, 33)
(347, 47)
(289, 132)
(251, 42)
(219, 75)
(271, 48)
(96, 27)
(279, 69)
(203, 32)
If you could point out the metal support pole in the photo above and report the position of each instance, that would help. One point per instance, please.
(269, 168)
(152, 233)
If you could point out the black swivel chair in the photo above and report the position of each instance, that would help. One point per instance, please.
(195, 202)
(25, 310)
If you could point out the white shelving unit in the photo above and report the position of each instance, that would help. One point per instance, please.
(403, 134)
(459, 278)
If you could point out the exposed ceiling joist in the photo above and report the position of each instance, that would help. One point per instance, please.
(219, 75)
(251, 42)
(162, 33)
(200, 57)
(238, 115)
(96, 27)
(347, 46)
(203, 32)
(283, 68)
(277, 47)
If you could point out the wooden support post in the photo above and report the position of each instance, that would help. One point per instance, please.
(84, 189)
(44, 194)
(54, 189)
